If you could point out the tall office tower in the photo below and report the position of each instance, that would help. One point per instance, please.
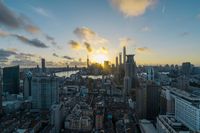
(152, 100)
(130, 75)
(124, 55)
(186, 68)
(147, 100)
(27, 85)
(116, 61)
(150, 74)
(88, 62)
(11, 79)
(43, 65)
(44, 91)
(120, 59)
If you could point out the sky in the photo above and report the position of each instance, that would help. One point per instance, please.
(67, 31)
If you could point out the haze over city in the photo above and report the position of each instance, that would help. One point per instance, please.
(99, 66)
(66, 32)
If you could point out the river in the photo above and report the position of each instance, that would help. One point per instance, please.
(68, 73)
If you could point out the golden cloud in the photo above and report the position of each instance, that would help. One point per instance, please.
(132, 7)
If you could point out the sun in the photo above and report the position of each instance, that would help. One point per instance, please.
(99, 58)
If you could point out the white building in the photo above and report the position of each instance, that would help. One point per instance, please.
(168, 124)
(188, 112)
(186, 107)
(44, 91)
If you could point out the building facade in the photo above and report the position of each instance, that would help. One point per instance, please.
(11, 80)
(44, 91)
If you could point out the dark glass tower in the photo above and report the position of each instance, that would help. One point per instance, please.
(11, 79)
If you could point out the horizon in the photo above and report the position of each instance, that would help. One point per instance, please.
(66, 32)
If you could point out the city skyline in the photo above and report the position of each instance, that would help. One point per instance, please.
(158, 32)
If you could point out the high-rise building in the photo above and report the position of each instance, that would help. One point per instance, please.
(120, 59)
(43, 65)
(186, 107)
(152, 100)
(11, 79)
(44, 91)
(130, 75)
(88, 62)
(186, 68)
(150, 74)
(124, 55)
(27, 85)
(57, 116)
(147, 100)
(116, 62)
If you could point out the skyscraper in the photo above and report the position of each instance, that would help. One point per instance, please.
(11, 79)
(43, 65)
(88, 62)
(120, 59)
(130, 74)
(186, 68)
(124, 55)
(150, 74)
(44, 91)
(27, 85)
(116, 61)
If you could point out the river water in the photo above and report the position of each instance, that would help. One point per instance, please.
(68, 73)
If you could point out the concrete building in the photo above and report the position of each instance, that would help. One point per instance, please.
(88, 62)
(148, 100)
(150, 73)
(146, 126)
(11, 80)
(43, 65)
(44, 91)
(168, 124)
(124, 55)
(130, 75)
(57, 117)
(116, 62)
(27, 85)
(186, 68)
(186, 107)
(120, 59)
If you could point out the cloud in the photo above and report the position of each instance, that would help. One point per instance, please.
(75, 45)
(124, 41)
(143, 50)
(85, 33)
(77, 63)
(41, 11)
(88, 35)
(145, 29)
(55, 55)
(3, 33)
(67, 57)
(183, 34)
(198, 16)
(10, 19)
(5, 54)
(132, 7)
(88, 47)
(32, 42)
(24, 62)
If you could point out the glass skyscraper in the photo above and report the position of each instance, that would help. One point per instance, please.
(11, 79)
